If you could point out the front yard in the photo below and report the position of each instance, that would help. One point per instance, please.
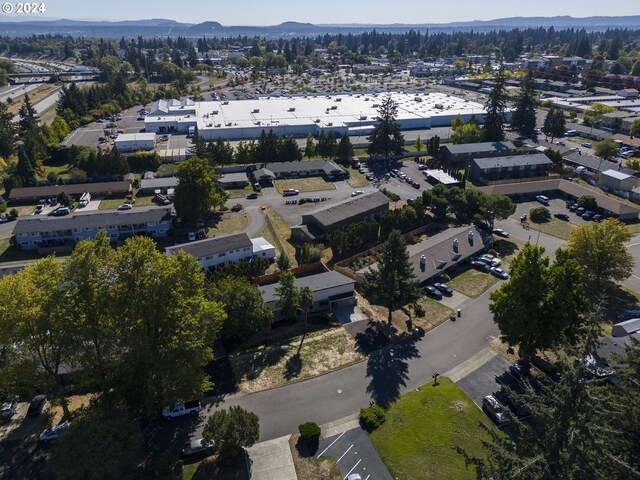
(309, 184)
(423, 426)
(472, 283)
(554, 227)
(280, 363)
(229, 222)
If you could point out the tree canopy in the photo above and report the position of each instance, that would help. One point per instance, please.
(386, 138)
(197, 191)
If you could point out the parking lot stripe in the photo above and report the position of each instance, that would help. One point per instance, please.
(354, 467)
(330, 445)
(347, 451)
(367, 477)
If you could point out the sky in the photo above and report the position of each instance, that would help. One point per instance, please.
(272, 12)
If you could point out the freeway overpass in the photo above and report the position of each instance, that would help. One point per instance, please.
(53, 76)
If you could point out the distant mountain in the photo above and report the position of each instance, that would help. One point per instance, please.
(11, 26)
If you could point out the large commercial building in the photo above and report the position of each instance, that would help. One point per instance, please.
(352, 113)
(49, 232)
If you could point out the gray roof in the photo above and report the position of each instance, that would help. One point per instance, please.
(513, 161)
(316, 283)
(162, 182)
(439, 253)
(351, 208)
(19, 193)
(596, 132)
(233, 177)
(627, 327)
(593, 163)
(470, 148)
(263, 173)
(95, 219)
(213, 246)
(284, 167)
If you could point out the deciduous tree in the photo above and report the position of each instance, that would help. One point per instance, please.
(232, 430)
(197, 191)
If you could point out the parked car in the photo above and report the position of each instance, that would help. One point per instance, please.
(495, 409)
(290, 192)
(54, 433)
(191, 236)
(8, 408)
(562, 216)
(587, 216)
(125, 206)
(498, 272)
(444, 288)
(586, 145)
(180, 409)
(543, 199)
(252, 196)
(518, 370)
(523, 217)
(598, 218)
(60, 212)
(483, 267)
(628, 315)
(415, 185)
(501, 232)
(422, 167)
(433, 292)
(579, 211)
(490, 260)
(560, 142)
(573, 207)
(356, 193)
(36, 405)
(198, 447)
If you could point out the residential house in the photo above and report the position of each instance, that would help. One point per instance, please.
(330, 290)
(234, 180)
(39, 232)
(485, 170)
(314, 168)
(158, 185)
(319, 225)
(617, 181)
(462, 154)
(215, 252)
(32, 194)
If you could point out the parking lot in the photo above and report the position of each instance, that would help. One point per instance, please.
(354, 453)
(556, 205)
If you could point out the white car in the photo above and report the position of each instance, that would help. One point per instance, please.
(125, 206)
(191, 236)
(542, 199)
(54, 433)
(501, 232)
(356, 193)
(498, 272)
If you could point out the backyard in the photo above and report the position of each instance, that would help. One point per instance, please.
(417, 441)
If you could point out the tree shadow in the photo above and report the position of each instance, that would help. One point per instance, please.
(389, 370)
(307, 449)
(617, 300)
(505, 247)
(368, 336)
(293, 367)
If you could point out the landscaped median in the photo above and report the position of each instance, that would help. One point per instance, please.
(422, 428)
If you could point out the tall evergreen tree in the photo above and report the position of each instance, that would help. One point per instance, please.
(25, 168)
(288, 296)
(493, 130)
(7, 131)
(386, 138)
(344, 152)
(554, 124)
(310, 148)
(392, 283)
(524, 116)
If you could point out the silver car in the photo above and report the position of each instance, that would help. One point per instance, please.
(198, 447)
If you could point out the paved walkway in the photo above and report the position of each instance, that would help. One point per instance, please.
(271, 460)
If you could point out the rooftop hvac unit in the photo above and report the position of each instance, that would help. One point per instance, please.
(228, 124)
(209, 125)
(256, 123)
(418, 99)
(367, 99)
(330, 124)
(363, 117)
(292, 109)
(226, 102)
(317, 120)
(339, 99)
(438, 106)
(215, 112)
(218, 125)
(334, 107)
(256, 110)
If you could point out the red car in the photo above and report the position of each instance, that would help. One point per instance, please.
(415, 185)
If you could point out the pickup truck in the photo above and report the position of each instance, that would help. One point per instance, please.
(182, 408)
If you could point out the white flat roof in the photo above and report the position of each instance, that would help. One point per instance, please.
(136, 137)
(616, 174)
(335, 110)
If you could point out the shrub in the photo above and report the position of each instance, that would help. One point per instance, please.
(539, 214)
(309, 431)
(3, 207)
(14, 212)
(372, 417)
(392, 196)
(491, 251)
(52, 177)
(236, 208)
(64, 199)
(444, 278)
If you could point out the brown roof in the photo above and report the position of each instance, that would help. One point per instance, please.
(627, 140)
(25, 193)
(573, 189)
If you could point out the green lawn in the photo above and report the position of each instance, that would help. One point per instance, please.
(554, 227)
(416, 442)
(472, 283)
(213, 468)
(140, 201)
(309, 184)
(356, 179)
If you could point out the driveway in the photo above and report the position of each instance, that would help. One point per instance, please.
(354, 453)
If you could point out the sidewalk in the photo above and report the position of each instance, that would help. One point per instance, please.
(271, 460)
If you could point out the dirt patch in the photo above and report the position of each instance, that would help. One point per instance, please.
(307, 467)
(286, 361)
(76, 403)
